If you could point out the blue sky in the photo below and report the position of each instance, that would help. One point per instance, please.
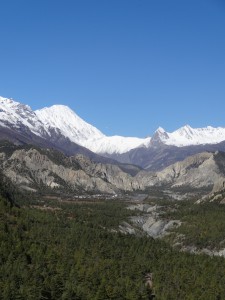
(125, 66)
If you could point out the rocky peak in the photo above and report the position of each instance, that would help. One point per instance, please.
(20, 117)
(186, 131)
(159, 137)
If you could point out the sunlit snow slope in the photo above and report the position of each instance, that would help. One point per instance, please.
(61, 119)
(16, 115)
(84, 134)
(187, 136)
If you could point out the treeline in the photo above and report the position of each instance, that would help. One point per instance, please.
(73, 252)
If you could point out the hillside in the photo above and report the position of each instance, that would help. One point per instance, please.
(35, 169)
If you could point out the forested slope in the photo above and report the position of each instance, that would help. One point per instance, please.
(73, 251)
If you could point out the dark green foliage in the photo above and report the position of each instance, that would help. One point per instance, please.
(9, 191)
(203, 225)
(70, 251)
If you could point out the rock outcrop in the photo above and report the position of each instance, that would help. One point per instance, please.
(34, 168)
(200, 171)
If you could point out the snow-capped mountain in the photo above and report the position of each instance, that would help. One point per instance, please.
(78, 131)
(58, 126)
(186, 136)
(19, 116)
(62, 118)
(70, 124)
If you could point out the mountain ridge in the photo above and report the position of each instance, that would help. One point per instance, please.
(48, 171)
(60, 127)
(62, 117)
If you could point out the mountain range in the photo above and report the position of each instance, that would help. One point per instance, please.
(54, 150)
(48, 171)
(60, 128)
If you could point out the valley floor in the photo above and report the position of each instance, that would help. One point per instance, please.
(58, 249)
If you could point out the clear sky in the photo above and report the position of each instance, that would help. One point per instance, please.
(125, 66)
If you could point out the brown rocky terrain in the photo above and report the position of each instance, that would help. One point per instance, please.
(38, 169)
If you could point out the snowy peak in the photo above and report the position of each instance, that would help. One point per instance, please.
(160, 130)
(59, 121)
(186, 132)
(61, 117)
(11, 106)
(186, 136)
(161, 134)
(77, 130)
(19, 116)
(159, 137)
